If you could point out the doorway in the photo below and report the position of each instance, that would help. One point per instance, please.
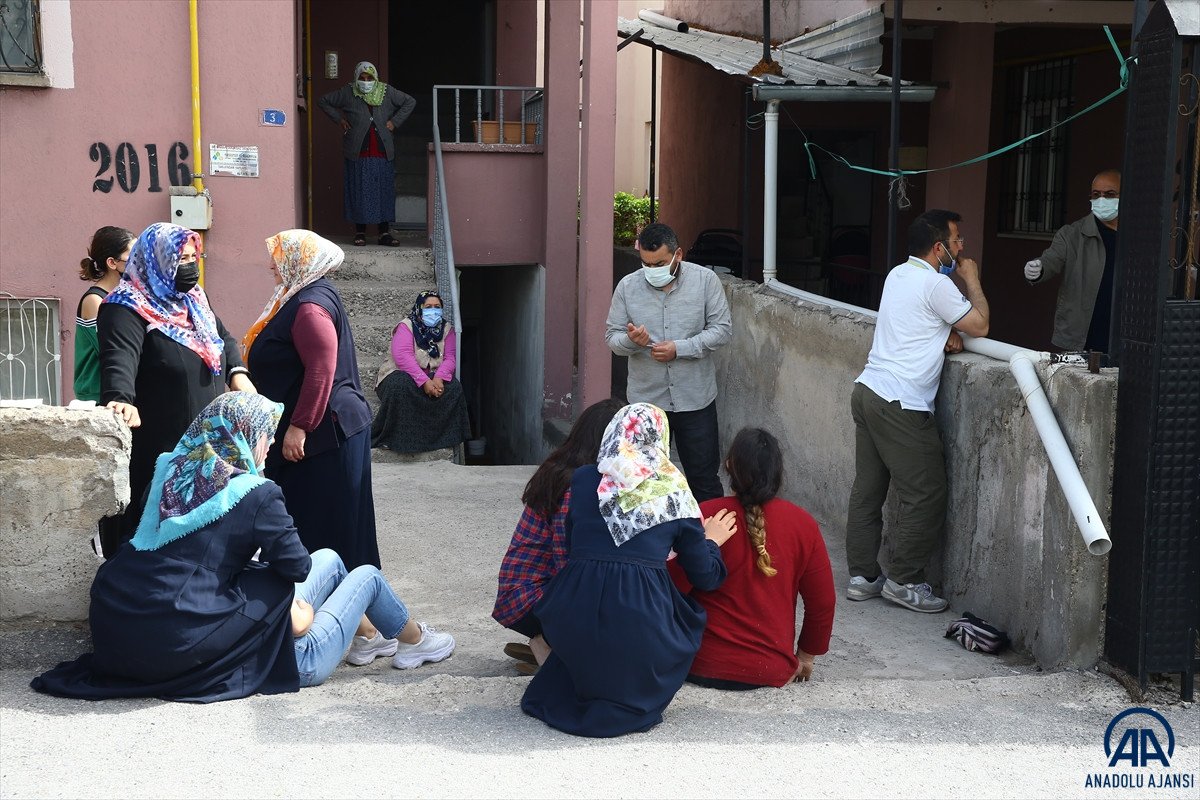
(414, 46)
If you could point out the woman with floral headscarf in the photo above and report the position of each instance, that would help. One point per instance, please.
(214, 597)
(164, 354)
(621, 636)
(422, 407)
(369, 112)
(302, 352)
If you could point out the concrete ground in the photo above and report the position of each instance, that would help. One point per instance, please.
(894, 710)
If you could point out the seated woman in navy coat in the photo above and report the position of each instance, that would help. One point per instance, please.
(622, 637)
(186, 611)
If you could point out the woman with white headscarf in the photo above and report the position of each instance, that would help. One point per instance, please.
(369, 112)
(302, 343)
(621, 635)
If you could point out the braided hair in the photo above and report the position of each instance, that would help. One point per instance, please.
(755, 465)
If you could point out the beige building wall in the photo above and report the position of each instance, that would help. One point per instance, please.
(633, 110)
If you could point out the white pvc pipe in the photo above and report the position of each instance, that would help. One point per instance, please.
(1002, 351)
(1059, 453)
(663, 21)
(770, 188)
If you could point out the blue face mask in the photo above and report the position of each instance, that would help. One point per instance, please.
(431, 316)
(946, 269)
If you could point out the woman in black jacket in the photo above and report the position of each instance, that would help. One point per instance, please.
(164, 354)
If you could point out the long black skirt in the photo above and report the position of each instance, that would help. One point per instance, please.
(330, 499)
(410, 421)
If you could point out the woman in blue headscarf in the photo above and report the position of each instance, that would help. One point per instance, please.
(421, 405)
(164, 354)
(204, 604)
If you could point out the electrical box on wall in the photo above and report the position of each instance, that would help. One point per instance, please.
(192, 211)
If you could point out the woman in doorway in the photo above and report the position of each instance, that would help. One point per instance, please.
(103, 266)
(750, 640)
(164, 354)
(422, 407)
(303, 351)
(369, 112)
(622, 636)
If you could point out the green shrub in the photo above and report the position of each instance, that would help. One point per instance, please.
(630, 215)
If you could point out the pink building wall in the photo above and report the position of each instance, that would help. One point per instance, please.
(141, 95)
(497, 202)
(789, 18)
(562, 40)
(516, 43)
(701, 140)
(599, 139)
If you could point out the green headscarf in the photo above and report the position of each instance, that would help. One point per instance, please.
(375, 96)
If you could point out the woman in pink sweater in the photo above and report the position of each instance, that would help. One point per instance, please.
(750, 639)
(422, 406)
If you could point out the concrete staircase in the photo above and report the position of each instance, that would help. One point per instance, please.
(378, 285)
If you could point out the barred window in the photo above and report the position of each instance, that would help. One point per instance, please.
(1034, 188)
(30, 360)
(20, 39)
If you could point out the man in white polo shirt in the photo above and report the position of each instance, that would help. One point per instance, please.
(896, 436)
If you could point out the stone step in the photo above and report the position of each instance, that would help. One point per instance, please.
(385, 263)
(383, 455)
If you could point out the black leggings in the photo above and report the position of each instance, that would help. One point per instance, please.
(528, 625)
(717, 683)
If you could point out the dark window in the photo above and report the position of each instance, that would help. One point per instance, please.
(1039, 96)
(20, 43)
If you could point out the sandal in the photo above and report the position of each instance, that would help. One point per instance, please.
(360, 240)
(521, 652)
(388, 241)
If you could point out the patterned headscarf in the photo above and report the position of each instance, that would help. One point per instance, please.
(427, 337)
(640, 487)
(210, 470)
(375, 96)
(148, 287)
(301, 257)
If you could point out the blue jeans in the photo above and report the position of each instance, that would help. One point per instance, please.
(340, 600)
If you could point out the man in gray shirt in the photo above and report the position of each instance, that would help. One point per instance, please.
(667, 318)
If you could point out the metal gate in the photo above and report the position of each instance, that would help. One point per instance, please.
(1153, 609)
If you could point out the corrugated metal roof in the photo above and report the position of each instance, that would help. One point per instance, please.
(1186, 16)
(736, 56)
(852, 42)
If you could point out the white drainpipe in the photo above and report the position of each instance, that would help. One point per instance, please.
(1021, 363)
(770, 188)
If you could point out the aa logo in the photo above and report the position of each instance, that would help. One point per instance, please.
(1136, 736)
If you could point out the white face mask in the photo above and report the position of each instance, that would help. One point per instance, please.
(658, 277)
(1105, 208)
(365, 86)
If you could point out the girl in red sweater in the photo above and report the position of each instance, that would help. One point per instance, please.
(750, 640)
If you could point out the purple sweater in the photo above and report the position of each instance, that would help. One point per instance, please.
(404, 353)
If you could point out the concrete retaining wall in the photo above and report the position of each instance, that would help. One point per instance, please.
(1012, 552)
(60, 472)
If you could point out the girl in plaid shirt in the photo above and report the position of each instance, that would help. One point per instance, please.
(538, 548)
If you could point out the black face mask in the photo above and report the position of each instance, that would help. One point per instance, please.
(186, 277)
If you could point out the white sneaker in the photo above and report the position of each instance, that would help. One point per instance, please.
(364, 651)
(434, 646)
(860, 588)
